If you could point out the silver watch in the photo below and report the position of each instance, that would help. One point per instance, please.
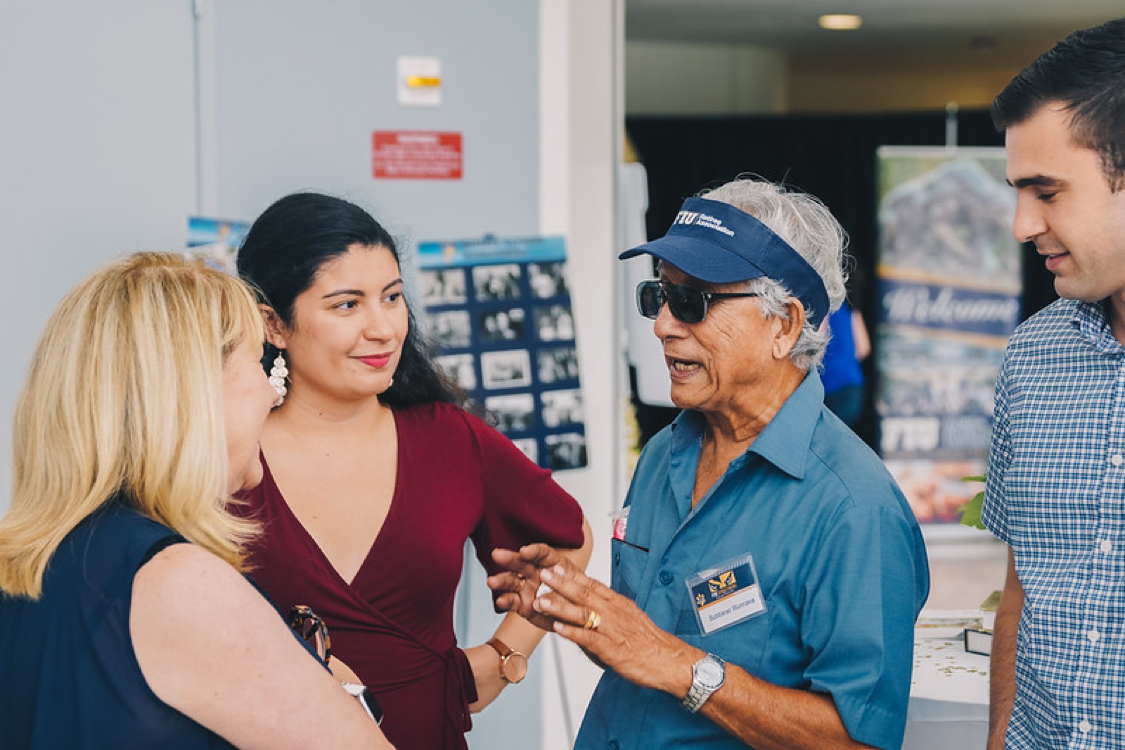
(707, 675)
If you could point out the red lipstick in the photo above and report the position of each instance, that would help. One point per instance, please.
(378, 361)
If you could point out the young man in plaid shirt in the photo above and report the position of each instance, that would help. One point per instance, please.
(1056, 476)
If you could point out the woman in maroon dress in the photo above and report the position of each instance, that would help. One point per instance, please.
(375, 477)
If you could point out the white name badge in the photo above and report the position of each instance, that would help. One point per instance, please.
(726, 595)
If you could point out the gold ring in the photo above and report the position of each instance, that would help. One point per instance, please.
(593, 621)
(522, 582)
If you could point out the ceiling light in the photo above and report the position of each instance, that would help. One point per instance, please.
(840, 21)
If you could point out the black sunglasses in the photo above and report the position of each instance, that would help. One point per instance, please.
(308, 625)
(687, 304)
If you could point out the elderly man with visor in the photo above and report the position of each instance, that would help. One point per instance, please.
(766, 570)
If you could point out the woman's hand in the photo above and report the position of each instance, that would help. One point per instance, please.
(614, 631)
(519, 584)
(486, 673)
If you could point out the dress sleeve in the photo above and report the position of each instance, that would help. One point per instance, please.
(522, 503)
(864, 593)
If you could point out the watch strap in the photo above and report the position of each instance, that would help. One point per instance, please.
(700, 691)
(506, 652)
(500, 647)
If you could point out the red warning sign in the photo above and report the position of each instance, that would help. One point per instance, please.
(416, 155)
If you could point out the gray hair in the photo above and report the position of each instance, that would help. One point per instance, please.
(807, 225)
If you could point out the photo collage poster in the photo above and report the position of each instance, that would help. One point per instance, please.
(499, 312)
(949, 281)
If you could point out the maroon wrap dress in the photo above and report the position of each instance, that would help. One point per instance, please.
(457, 479)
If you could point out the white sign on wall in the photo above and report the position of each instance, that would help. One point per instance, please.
(419, 81)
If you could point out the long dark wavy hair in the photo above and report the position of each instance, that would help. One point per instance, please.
(285, 249)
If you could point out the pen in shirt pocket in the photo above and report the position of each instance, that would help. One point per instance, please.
(620, 519)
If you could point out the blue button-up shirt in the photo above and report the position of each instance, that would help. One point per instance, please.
(1056, 495)
(838, 555)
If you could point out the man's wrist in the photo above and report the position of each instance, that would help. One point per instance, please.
(672, 671)
(707, 675)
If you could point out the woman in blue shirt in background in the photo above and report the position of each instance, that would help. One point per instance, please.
(841, 370)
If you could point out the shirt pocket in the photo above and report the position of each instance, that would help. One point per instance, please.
(628, 564)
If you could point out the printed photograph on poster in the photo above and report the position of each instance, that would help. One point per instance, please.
(501, 325)
(514, 412)
(497, 282)
(558, 364)
(562, 408)
(949, 280)
(442, 286)
(956, 215)
(529, 446)
(554, 323)
(566, 451)
(547, 279)
(461, 368)
(936, 489)
(945, 407)
(505, 369)
(499, 313)
(451, 329)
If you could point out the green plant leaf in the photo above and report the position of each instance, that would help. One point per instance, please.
(970, 511)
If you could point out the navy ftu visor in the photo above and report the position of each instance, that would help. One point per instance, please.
(717, 243)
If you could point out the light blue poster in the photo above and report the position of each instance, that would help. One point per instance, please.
(500, 314)
(216, 241)
(949, 282)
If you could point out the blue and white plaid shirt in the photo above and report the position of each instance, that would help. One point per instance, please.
(1056, 495)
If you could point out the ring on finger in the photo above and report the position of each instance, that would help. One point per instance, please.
(593, 621)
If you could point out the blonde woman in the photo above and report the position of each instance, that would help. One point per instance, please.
(124, 619)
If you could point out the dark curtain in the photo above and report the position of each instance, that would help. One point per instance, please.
(830, 156)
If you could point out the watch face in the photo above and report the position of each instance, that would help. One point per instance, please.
(515, 667)
(711, 673)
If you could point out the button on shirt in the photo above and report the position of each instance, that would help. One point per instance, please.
(838, 555)
(1056, 486)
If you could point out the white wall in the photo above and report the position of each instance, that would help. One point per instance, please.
(696, 79)
(302, 85)
(582, 139)
(97, 155)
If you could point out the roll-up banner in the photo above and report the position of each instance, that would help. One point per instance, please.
(949, 284)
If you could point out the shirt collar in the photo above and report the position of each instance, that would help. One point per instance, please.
(786, 439)
(1092, 324)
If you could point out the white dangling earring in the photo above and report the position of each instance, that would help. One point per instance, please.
(390, 383)
(278, 373)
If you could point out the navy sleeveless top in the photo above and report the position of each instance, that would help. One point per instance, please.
(68, 674)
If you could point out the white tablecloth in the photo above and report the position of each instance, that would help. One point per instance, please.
(948, 697)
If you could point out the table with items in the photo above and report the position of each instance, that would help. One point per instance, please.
(948, 693)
